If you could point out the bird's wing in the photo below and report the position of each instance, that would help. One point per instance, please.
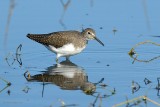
(56, 39)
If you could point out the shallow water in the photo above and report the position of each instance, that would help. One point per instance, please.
(39, 81)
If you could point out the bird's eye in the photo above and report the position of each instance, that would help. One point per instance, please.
(89, 33)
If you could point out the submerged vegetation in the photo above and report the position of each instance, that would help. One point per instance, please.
(133, 54)
(11, 59)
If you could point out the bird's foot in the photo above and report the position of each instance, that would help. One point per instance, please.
(67, 59)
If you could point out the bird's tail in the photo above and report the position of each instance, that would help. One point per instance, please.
(40, 38)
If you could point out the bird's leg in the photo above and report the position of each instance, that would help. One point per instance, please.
(57, 59)
(58, 55)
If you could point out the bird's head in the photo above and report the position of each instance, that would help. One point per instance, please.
(90, 34)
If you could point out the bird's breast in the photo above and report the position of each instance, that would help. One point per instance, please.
(68, 49)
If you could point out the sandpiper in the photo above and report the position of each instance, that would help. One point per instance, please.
(65, 43)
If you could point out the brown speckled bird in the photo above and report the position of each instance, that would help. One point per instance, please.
(65, 43)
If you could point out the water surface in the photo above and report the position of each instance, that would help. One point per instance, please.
(120, 25)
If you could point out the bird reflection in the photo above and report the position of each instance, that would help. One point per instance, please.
(67, 76)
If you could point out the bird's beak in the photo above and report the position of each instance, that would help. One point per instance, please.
(98, 41)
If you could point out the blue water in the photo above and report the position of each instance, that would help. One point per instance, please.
(135, 21)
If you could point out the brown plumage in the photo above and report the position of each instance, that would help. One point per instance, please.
(58, 39)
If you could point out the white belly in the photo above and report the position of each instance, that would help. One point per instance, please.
(66, 50)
